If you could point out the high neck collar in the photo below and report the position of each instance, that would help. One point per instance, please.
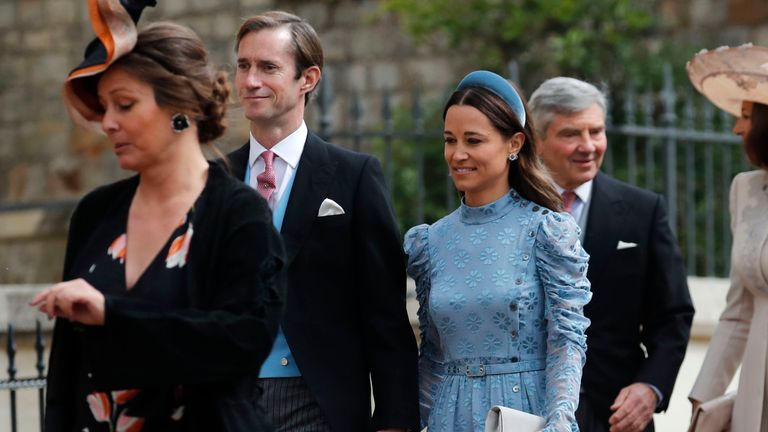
(491, 211)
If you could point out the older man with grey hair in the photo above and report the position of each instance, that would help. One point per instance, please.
(641, 310)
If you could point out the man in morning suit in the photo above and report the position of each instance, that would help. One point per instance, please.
(641, 309)
(345, 325)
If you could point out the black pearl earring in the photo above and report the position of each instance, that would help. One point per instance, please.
(179, 122)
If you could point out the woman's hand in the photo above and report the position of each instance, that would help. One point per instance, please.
(75, 300)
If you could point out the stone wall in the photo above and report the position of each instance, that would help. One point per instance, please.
(711, 23)
(44, 158)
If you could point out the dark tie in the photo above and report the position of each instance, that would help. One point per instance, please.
(568, 199)
(266, 179)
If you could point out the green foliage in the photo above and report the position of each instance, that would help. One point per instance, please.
(592, 38)
(440, 197)
(620, 43)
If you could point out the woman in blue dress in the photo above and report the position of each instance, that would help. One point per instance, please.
(501, 281)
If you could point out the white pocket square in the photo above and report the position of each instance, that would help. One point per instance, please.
(625, 245)
(329, 207)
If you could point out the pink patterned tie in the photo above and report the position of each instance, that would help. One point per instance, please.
(266, 180)
(568, 199)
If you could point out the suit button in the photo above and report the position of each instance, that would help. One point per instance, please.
(514, 333)
(526, 257)
(284, 361)
(535, 208)
(513, 307)
(515, 388)
(514, 359)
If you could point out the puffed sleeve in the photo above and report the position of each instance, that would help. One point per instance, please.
(561, 264)
(416, 246)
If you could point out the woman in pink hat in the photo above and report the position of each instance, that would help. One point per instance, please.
(736, 80)
(170, 301)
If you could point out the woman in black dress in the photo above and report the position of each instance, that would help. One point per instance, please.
(170, 300)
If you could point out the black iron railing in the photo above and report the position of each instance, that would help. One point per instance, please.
(13, 384)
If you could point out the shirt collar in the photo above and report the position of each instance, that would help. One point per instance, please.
(583, 191)
(288, 149)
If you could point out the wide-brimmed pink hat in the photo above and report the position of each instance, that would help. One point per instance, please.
(727, 76)
(114, 22)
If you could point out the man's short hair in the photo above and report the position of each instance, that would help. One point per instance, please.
(307, 50)
(562, 95)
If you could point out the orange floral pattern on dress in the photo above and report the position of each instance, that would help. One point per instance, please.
(117, 248)
(108, 408)
(100, 405)
(177, 253)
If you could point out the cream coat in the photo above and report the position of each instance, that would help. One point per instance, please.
(741, 336)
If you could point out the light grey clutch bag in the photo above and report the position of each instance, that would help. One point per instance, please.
(503, 419)
(714, 415)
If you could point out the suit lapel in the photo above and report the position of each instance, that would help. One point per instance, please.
(310, 188)
(238, 160)
(605, 211)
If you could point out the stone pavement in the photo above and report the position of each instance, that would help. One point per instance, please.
(709, 300)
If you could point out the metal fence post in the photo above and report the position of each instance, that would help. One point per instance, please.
(629, 113)
(11, 351)
(647, 107)
(669, 98)
(418, 118)
(40, 366)
(608, 155)
(356, 114)
(389, 126)
(690, 189)
(324, 101)
(709, 210)
(513, 69)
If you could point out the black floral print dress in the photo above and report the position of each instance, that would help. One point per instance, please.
(163, 283)
(181, 349)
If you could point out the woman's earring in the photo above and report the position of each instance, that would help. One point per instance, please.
(179, 122)
(512, 157)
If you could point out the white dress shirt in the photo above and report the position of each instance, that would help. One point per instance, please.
(580, 208)
(287, 154)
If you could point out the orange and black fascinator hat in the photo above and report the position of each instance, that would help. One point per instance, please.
(114, 22)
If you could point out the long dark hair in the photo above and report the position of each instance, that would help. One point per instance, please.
(526, 175)
(756, 142)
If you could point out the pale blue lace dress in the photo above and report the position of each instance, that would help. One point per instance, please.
(501, 292)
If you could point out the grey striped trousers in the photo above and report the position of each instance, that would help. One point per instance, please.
(290, 406)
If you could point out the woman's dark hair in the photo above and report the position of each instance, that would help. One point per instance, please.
(756, 142)
(172, 59)
(526, 175)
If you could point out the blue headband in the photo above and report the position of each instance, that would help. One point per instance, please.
(499, 86)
